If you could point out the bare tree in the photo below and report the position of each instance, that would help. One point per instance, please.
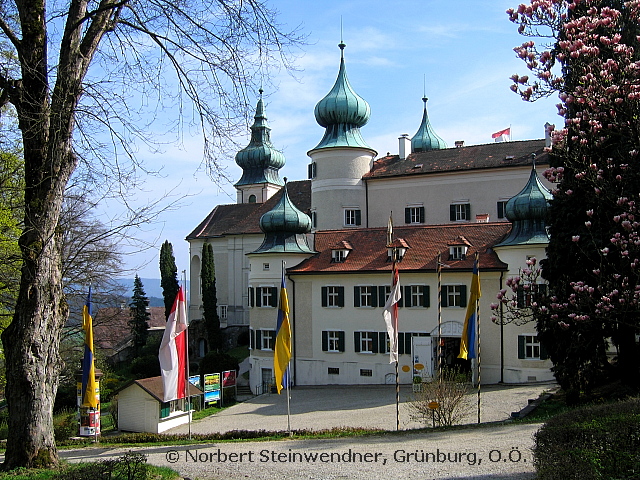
(87, 79)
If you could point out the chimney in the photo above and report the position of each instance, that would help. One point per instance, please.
(405, 146)
(548, 128)
(459, 143)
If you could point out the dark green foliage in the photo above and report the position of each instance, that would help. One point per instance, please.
(130, 466)
(139, 321)
(145, 366)
(594, 442)
(214, 362)
(65, 425)
(210, 301)
(168, 277)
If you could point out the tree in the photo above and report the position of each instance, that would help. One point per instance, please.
(139, 321)
(210, 300)
(592, 59)
(168, 277)
(85, 79)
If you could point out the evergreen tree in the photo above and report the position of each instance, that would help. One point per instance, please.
(168, 277)
(209, 300)
(139, 321)
(593, 257)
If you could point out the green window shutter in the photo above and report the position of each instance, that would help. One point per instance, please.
(341, 296)
(251, 297)
(258, 339)
(407, 343)
(544, 355)
(382, 342)
(463, 295)
(258, 296)
(444, 298)
(252, 339)
(382, 300)
(325, 341)
(467, 211)
(358, 217)
(407, 295)
(426, 300)
(356, 341)
(273, 297)
(520, 346)
(374, 343)
(400, 343)
(341, 341)
(272, 340)
(325, 295)
(374, 297)
(520, 297)
(407, 215)
(421, 214)
(356, 296)
(452, 213)
(165, 409)
(500, 209)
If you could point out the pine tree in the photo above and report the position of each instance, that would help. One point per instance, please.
(139, 321)
(209, 299)
(168, 276)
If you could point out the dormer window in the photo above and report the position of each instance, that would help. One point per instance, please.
(339, 255)
(457, 252)
(399, 248)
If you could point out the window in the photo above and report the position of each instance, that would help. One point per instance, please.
(365, 296)
(454, 295)
(333, 371)
(251, 297)
(223, 312)
(202, 347)
(416, 295)
(314, 219)
(366, 372)
(265, 339)
(366, 342)
(529, 348)
(333, 341)
(352, 217)
(413, 215)
(333, 296)
(405, 343)
(311, 170)
(457, 252)
(339, 256)
(266, 297)
(528, 294)
(265, 266)
(459, 212)
(502, 209)
(252, 199)
(167, 408)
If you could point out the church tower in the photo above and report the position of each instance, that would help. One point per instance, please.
(338, 162)
(260, 162)
(425, 138)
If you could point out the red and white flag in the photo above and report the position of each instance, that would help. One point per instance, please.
(502, 135)
(390, 314)
(173, 351)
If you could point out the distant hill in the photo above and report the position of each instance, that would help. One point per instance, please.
(152, 289)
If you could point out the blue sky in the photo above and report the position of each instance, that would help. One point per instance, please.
(462, 50)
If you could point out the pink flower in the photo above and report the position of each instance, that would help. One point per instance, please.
(575, 238)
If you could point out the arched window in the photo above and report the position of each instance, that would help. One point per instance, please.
(202, 347)
(252, 199)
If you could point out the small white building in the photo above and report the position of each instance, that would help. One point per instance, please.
(141, 407)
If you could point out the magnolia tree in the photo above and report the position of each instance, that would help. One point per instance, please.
(588, 52)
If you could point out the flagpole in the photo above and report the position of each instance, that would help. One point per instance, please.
(187, 392)
(478, 322)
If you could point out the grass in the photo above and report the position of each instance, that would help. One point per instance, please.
(65, 469)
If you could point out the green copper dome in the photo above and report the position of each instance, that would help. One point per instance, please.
(425, 138)
(259, 160)
(342, 112)
(285, 228)
(527, 212)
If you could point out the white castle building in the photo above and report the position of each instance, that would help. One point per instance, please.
(330, 230)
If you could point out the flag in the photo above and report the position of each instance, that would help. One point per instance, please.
(468, 340)
(390, 231)
(282, 350)
(390, 314)
(88, 392)
(173, 351)
(506, 131)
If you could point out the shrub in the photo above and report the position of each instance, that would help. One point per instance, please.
(65, 425)
(214, 362)
(593, 442)
(146, 366)
(449, 389)
(130, 466)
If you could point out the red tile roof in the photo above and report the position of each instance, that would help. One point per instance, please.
(244, 218)
(490, 155)
(111, 325)
(370, 252)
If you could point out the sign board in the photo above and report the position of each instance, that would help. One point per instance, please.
(422, 355)
(195, 380)
(89, 420)
(229, 378)
(211, 382)
(211, 397)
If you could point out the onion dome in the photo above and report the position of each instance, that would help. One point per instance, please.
(285, 227)
(259, 160)
(527, 212)
(425, 138)
(342, 112)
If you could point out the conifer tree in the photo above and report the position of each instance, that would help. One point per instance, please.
(168, 276)
(209, 300)
(139, 321)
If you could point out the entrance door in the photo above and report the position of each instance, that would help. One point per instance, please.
(422, 357)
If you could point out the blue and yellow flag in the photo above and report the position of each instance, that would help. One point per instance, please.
(468, 340)
(88, 369)
(282, 351)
